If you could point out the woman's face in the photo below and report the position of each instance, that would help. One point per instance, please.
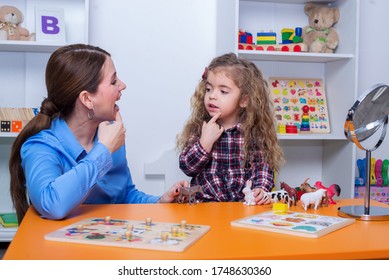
(108, 92)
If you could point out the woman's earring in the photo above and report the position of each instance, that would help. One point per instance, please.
(91, 113)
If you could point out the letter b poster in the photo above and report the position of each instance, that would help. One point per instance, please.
(50, 25)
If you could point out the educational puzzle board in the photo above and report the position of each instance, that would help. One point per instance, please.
(156, 236)
(294, 223)
(291, 94)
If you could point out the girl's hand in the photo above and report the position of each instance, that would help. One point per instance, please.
(173, 192)
(261, 197)
(210, 132)
(112, 134)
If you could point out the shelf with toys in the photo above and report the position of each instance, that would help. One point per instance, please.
(328, 156)
(49, 24)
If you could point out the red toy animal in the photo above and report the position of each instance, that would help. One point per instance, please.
(332, 190)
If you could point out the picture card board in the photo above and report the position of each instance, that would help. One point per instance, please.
(294, 223)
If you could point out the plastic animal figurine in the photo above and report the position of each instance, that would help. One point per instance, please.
(279, 196)
(306, 187)
(188, 194)
(314, 198)
(248, 194)
(332, 190)
(292, 192)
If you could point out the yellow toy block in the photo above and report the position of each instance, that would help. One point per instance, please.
(280, 208)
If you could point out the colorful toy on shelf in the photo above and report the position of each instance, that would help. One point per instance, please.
(332, 190)
(266, 41)
(291, 129)
(378, 172)
(290, 36)
(361, 164)
(385, 177)
(188, 194)
(373, 179)
(305, 119)
(314, 198)
(265, 38)
(245, 37)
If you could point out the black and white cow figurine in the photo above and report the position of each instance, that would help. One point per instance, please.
(279, 196)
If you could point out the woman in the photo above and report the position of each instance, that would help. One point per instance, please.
(73, 151)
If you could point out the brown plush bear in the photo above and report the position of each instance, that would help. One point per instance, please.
(10, 29)
(319, 35)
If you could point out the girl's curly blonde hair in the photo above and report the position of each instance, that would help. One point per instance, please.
(257, 118)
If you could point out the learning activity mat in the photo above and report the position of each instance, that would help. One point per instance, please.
(293, 223)
(146, 234)
(290, 95)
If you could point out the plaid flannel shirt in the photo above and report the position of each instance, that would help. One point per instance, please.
(222, 173)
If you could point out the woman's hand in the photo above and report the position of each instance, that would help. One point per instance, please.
(112, 134)
(261, 197)
(173, 192)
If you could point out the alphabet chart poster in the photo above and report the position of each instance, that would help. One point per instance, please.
(290, 95)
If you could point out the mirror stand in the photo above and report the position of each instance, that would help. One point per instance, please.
(365, 212)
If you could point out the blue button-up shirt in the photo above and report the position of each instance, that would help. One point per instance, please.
(60, 174)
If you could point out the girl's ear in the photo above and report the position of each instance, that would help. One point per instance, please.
(86, 100)
(244, 101)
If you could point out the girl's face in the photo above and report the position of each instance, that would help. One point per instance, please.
(108, 92)
(222, 95)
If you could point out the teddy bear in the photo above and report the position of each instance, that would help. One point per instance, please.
(10, 29)
(320, 35)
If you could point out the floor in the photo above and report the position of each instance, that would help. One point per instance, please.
(3, 248)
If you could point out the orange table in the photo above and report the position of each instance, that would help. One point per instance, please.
(361, 240)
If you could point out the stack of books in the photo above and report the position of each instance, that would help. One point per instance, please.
(8, 220)
(14, 119)
(8, 226)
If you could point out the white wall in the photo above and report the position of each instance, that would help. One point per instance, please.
(160, 49)
(373, 56)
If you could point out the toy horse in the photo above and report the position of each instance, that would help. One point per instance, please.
(292, 192)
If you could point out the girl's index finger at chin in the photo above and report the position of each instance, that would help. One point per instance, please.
(215, 117)
(118, 117)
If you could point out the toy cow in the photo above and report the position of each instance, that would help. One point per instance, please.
(279, 196)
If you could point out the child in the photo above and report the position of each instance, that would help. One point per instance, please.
(231, 136)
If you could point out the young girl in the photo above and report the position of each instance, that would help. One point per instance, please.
(231, 136)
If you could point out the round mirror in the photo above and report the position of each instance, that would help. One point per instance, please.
(368, 115)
